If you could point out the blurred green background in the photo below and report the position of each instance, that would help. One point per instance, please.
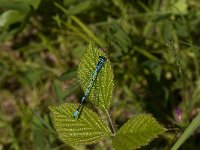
(42, 41)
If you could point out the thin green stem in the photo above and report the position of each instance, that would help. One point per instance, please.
(111, 123)
(174, 53)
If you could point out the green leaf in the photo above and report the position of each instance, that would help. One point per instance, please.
(10, 17)
(14, 5)
(102, 89)
(34, 4)
(180, 7)
(88, 129)
(79, 8)
(188, 132)
(137, 132)
(20, 5)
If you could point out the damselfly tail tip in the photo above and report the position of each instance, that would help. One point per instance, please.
(75, 113)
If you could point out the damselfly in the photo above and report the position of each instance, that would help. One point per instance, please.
(94, 76)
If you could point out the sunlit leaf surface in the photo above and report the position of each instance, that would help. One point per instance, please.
(88, 129)
(137, 132)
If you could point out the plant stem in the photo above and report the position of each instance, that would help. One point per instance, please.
(111, 123)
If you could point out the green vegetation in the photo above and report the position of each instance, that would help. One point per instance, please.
(88, 127)
(154, 51)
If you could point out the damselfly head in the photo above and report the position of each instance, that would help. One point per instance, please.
(102, 58)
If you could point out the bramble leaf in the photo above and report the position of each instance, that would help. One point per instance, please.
(137, 132)
(88, 129)
(102, 89)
